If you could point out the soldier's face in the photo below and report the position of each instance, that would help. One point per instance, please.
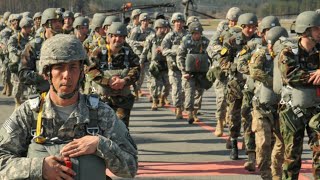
(249, 30)
(68, 21)
(315, 33)
(37, 21)
(161, 31)
(232, 23)
(116, 41)
(144, 23)
(27, 30)
(65, 76)
(178, 25)
(56, 25)
(196, 36)
(83, 30)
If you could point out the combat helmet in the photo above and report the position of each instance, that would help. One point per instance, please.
(192, 19)
(195, 27)
(118, 28)
(80, 21)
(37, 15)
(77, 14)
(68, 14)
(110, 19)
(161, 23)
(135, 13)
(97, 21)
(306, 20)
(275, 33)
(14, 17)
(268, 22)
(26, 14)
(177, 16)
(26, 22)
(158, 15)
(49, 14)
(247, 19)
(6, 15)
(233, 14)
(61, 48)
(143, 16)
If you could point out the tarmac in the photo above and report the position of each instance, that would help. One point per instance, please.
(171, 149)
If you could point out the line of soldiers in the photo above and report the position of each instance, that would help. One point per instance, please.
(268, 82)
(263, 79)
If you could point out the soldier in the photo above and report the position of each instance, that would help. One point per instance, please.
(51, 21)
(265, 115)
(5, 34)
(113, 70)
(137, 38)
(234, 41)
(16, 45)
(160, 85)
(68, 20)
(134, 20)
(220, 83)
(81, 28)
(71, 132)
(108, 21)
(98, 36)
(193, 63)
(36, 21)
(299, 66)
(191, 19)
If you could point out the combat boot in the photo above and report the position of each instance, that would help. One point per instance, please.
(234, 149)
(178, 112)
(9, 89)
(250, 165)
(190, 117)
(195, 117)
(161, 101)
(154, 106)
(219, 128)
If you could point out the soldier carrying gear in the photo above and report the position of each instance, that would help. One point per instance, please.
(68, 19)
(193, 63)
(113, 70)
(81, 28)
(169, 46)
(56, 152)
(299, 67)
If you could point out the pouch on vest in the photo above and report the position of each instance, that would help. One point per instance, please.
(305, 97)
(291, 120)
(197, 63)
(267, 95)
(154, 69)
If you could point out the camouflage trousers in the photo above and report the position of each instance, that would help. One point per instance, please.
(144, 74)
(268, 140)
(160, 85)
(220, 87)
(177, 93)
(19, 91)
(246, 118)
(292, 129)
(193, 94)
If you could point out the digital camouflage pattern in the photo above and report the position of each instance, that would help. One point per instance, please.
(15, 138)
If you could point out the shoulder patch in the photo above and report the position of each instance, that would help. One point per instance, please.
(242, 52)
(224, 50)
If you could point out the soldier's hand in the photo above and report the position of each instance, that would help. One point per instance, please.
(159, 50)
(82, 146)
(53, 169)
(186, 76)
(118, 84)
(315, 78)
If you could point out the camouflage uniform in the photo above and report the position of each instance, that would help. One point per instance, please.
(158, 68)
(192, 86)
(169, 46)
(116, 147)
(106, 65)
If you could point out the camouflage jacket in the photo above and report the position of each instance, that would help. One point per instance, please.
(189, 46)
(101, 63)
(16, 45)
(138, 37)
(296, 64)
(5, 35)
(216, 40)
(115, 146)
(261, 66)
(92, 42)
(152, 42)
(28, 73)
(170, 45)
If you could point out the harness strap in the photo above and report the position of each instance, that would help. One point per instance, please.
(38, 138)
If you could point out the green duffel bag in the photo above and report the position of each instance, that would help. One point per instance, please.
(197, 63)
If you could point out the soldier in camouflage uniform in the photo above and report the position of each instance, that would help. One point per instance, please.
(70, 131)
(29, 75)
(81, 28)
(16, 45)
(160, 85)
(220, 84)
(248, 90)
(134, 20)
(137, 38)
(169, 46)
(299, 66)
(113, 70)
(37, 22)
(68, 19)
(265, 115)
(5, 34)
(97, 38)
(108, 21)
(193, 63)
(234, 41)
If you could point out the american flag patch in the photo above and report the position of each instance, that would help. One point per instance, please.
(7, 125)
